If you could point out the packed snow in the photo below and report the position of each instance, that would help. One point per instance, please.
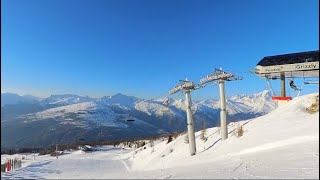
(281, 144)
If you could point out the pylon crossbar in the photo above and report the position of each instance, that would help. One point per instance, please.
(185, 85)
(215, 76)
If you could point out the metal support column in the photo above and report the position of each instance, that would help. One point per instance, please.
(191, 136)
(283, 85)
(222, 77)
(223, 113)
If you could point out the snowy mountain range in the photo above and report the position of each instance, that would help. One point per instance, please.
(68, 118)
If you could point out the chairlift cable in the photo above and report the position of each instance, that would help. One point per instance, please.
(270, 87)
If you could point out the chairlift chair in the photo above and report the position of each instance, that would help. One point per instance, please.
(129, 118)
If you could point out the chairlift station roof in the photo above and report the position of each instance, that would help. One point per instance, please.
(303, 64)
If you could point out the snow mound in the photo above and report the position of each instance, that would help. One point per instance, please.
(79, 152)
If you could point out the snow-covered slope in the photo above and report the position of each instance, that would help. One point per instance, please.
(65, 99)
(82, 110)
(281, 144)
(258, 103)
(156, 108)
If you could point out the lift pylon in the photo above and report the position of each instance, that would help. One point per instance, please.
(220, 77)
(188, 86)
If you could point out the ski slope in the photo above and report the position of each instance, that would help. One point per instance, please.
(281, 144)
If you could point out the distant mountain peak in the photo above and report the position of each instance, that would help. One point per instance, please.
(122, 96)
(11, 98)
(119, 94)
(64, 95)
(65, 99)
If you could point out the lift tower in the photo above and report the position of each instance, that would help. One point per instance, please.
(188, 86)
(220, 77)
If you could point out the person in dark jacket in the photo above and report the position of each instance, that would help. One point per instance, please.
(293, 86)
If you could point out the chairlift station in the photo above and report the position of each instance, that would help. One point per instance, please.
(294, 65)
(303, 64)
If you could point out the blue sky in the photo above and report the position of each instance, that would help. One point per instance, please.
(143, 47)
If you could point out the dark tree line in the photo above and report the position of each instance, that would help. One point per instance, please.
(129, 142)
